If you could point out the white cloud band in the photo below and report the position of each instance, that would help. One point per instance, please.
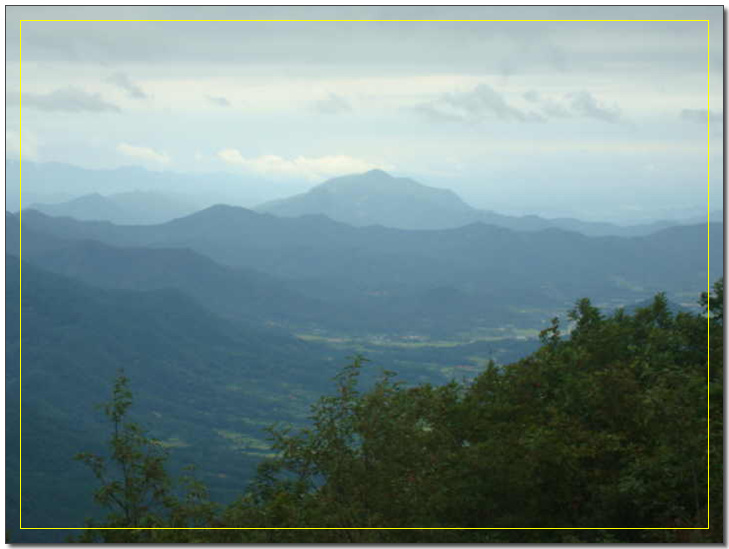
(300, 167)
(145, 154)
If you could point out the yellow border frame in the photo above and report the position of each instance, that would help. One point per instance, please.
(708, 216)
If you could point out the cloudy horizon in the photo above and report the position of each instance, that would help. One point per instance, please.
(597, 120)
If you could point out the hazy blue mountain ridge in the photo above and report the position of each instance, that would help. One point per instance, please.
(377, 198)
(494, 265)
(371, 198)
(57, 182)
(129, 208)
(241, 294)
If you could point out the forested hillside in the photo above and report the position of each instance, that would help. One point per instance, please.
(603, 428)
(210, 385)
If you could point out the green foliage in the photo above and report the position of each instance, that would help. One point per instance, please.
(714, 307)
(715, 302)
(136, 488)
(605, 428)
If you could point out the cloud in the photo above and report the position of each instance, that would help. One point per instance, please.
(231, 156)
(483, 45)
(485, 103)
(578, 104)
(584, 103)
(12, 98)
(508, 66)
(549, 107)
(555, 109)
(145, 154)
(698, 116)
(122, 81)
(532, 96)
(300, 167)
(218, 100)
(334, 104)
(435, 113)
(13, 145)
(68, 99)
(482, 103)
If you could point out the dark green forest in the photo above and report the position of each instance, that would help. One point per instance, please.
(604, 426)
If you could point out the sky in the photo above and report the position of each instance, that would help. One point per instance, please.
(595, 120)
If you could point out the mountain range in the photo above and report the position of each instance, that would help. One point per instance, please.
(395, 277)
(377, 198)
(235, 292)
(240, 294)
(371, 198)
(127, 193)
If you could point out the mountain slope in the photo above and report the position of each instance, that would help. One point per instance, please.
(203, 383)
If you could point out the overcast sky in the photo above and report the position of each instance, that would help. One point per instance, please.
(598, 120)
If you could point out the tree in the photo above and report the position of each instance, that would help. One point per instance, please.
(136, 488)
(714, 308)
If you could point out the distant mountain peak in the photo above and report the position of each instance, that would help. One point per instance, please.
(223, 208)
(378, 173)
(219, 211)
(379, 185)
(378, 180)
(374, 198)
